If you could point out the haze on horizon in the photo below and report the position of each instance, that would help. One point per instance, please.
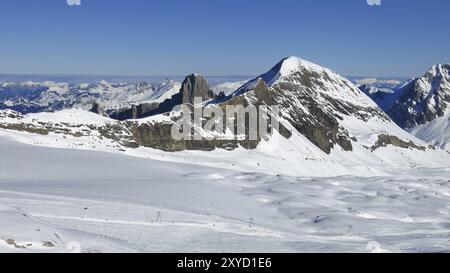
(401, 38)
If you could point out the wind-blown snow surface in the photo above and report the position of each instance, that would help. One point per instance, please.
(55, 200)
(285, 195)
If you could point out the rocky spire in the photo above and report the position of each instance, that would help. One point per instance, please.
(195, 86)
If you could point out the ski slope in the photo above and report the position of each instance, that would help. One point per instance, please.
(102, 202)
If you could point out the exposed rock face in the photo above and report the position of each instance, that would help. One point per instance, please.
(317, 124)
(420, 106)
(314, 99)
(314, 102)
(25, 128)
(157, 136)
(385, 140)
(138, 111)
(128, 134)
(193, 86)
(261, 95)
(423, 99)
(114, 131)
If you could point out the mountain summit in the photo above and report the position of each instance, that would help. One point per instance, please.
(327, 125)
(315, 101)
(423, 99)
(422, 107)
(287, 67)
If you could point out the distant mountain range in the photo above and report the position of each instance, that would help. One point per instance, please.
(328, 124)
(32, 97)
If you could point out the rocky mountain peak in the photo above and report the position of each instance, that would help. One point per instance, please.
(294, 64)
(313, 99)
(287, 67)
(440, 70)
(194, 86)
(424, 99)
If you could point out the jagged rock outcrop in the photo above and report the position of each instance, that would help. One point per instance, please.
(314, 100)
(138, 111)
(317, 106)
(421, 107)
(423, 99)
(193, 86)
(127, 134)
(386, 140)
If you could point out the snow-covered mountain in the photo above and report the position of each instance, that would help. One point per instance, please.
(420, 106)
(33, 97)
(380, 83)
(423, 99)
(326, 108)
(382, 91)
(337, 170)
(329, 127)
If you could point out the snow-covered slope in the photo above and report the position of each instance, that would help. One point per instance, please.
(81, 130)
(334, 129)
(300, 76)
(327, 108)
(86, 201)
(22, 232)
(435, 132)
(345, 178)
(422, 106)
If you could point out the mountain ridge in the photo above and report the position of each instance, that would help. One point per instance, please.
(318, 108)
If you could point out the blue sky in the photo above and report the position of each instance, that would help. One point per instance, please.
(400, 38)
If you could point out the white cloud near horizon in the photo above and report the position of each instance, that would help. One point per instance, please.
(73, 2)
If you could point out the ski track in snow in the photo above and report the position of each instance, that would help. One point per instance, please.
(108, 203)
